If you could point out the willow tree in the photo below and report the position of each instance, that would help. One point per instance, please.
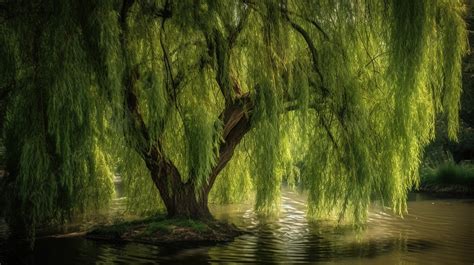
(183, 96)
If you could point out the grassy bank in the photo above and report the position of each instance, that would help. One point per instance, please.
(448, 177)
(159, 230)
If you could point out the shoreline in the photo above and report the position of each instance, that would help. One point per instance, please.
(455, 190)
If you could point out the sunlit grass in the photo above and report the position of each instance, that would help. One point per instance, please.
(151, 226)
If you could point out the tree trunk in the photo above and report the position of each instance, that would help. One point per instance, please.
(185, 203)
(182, 200)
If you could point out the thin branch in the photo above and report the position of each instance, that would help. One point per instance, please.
(236, 31)
(221, 48)
(311, 21)
(218, 47)
(311, 47)
(169, 71)
(162, 169)
(164, 12)
(127, 4)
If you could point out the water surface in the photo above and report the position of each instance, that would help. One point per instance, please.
(436, 231)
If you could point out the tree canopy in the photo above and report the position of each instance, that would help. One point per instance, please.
(188, 97)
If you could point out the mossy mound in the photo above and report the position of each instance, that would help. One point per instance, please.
(159, 230)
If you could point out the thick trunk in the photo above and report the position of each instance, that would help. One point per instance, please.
(182, 200)
(184, 203)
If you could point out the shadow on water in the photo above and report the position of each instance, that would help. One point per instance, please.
(434, 232)
(291, 239)
(324, 248)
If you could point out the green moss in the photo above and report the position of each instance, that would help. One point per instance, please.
(155, 227)
(149, 227)
(194, 224)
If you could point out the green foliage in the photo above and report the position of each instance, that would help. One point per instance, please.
(267, 135)
(54, 123)
(346, 92)
(447, 172)
(202, 131)
(138, 185)
(235, 182)
(157, 227)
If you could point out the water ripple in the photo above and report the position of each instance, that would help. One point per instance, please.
(434, 232)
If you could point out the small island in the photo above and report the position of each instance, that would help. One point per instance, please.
(161, 230)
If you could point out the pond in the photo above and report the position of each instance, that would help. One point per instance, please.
(436, 231)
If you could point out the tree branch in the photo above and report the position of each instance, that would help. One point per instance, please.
(236, 31)
(126, 5)
(162, 169)
(164, 12)
(324, 123)
(237, 123)
(311, 21)
(312, 49)
(220, 50)
(236, 118)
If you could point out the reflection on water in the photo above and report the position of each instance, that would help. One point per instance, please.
(437, 231)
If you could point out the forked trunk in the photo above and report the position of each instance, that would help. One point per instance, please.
(182, 200)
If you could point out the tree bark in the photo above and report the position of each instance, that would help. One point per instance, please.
(184, 201)
(236, 124)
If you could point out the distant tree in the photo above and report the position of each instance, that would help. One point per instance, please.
(462, 148)
(467, 100)
(171, 92)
